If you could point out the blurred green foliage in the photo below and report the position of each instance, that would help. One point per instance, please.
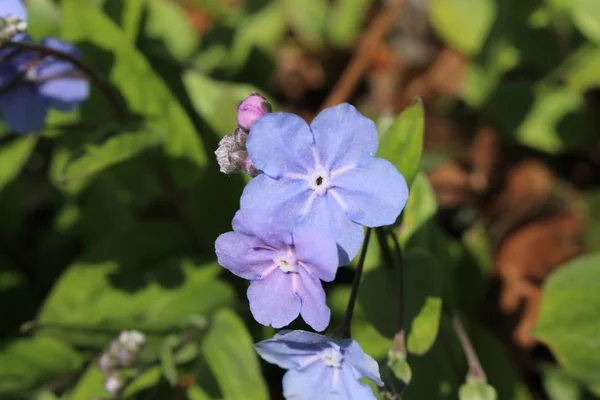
(109, 224)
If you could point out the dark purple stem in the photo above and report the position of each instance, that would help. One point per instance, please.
(344, 330)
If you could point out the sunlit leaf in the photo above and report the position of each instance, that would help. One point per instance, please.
(232, 359)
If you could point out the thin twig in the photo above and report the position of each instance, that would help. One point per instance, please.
(476, 372)
(99, 81)
(110, 93)
(366, 49)
(344, 330)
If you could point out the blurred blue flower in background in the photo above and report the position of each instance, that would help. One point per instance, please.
(285, 268)
(320, 367)
(31, 83)
(13, 21)
(324, 176)
(14, 8)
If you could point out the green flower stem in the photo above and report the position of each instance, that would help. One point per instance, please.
(344, 330)
(476, 372)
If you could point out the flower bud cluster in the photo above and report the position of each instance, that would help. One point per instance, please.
(121, 352)
(232, 155)
(10, 26)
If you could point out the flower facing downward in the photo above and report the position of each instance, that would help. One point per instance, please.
(30, 84)
(320, 367)
(324, 176)
(285, 267)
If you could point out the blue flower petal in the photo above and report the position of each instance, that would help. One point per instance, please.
(24, 109)
(65, 94)
(343, 136)
(318, 251)
(239, 254)
(279, 143)
(61, 45)
(374, 193)
(254, 222)
(292, 349)
(273, 301)
(283, 198)
(13, 7)
(310, 383)
(314, 309)
(362, 362)
(327, 216)
(349, 387)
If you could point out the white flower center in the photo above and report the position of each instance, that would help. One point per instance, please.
(319, 181)
(332, 356)
(286, 264)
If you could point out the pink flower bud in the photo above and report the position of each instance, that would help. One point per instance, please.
(251, 109)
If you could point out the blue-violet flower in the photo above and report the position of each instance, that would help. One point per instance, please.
(324, 176)
(320, 367)
(286, 268)
(31, 83)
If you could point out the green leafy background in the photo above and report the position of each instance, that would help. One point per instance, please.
(110, 225)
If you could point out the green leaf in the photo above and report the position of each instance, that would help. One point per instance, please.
(569, 319)
(586, 16)
(558, 385)
(132, 17)
(425, 326)
(13, 157)
(43, 18)
(345, 20)
(262, 30)
(194, 392)
(216, 101)
(372, 341)
(307, 18)
(400, 368)
(167, 361)
(464, 24)
(231, 357)
(90, 385)
(550, 119)
(137, 278)
(96, 158)
(581, 70)
(420, 207)
(32, 362)
(402, 143)
(144, 91)
(422, 300)
(477, 391)
(169, 25)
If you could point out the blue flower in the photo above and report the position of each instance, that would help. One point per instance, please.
(324, 176)
(31, 83)
(285, 267)
(320, 367)
(13, 8)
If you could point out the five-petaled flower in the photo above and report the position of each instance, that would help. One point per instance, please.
(324, 176)
(30, 84)
(286, 268)
(320, 367)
